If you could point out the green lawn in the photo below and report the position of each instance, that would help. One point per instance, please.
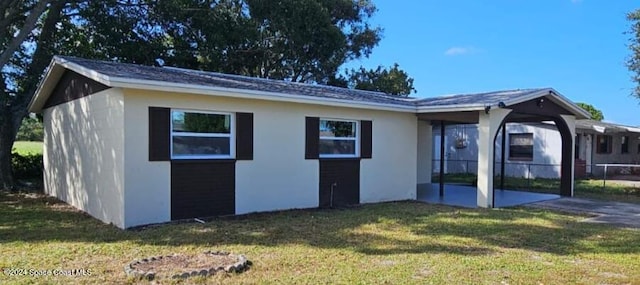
(583, 188)
(391, 243)
(25, 147)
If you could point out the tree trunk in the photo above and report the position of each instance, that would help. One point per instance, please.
(7, 137)
(14, 109)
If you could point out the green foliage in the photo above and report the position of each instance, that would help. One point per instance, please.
(206, 123)
(633, 62)
(595, 113)
(27, 166)
(392, 81)
(341, 128)
(297, 40)
(30, 130)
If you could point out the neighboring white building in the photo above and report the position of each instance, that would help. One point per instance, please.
(534, 150)
(606, 143)
(531, 150)
(134, 145)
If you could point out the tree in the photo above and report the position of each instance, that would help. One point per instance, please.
(633, 62)
(31, 32)
(30, 130)
(294, 40)
(392, 81)
(595, 113)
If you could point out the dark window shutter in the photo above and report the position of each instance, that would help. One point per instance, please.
(312, 138)
(244, 136)
(366, 139)
(159, 134)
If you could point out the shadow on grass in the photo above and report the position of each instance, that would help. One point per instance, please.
(380, 229)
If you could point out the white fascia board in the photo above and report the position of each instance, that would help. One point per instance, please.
(251, 94)
(46, 85)
(86, 72)
(450, 108)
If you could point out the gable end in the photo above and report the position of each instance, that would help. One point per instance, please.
(72, 86)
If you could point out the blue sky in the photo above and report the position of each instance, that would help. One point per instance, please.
(449, 47)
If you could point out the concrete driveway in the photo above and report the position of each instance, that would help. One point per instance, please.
(615, 213)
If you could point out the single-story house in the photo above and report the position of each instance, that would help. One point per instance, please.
(134, 145)
(600, 143)
(533, 150)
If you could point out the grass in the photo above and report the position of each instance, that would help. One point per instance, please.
(583, 188)
(393, 243)
(26, 147)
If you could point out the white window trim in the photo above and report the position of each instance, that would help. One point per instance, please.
(356, 139)
(230, 135)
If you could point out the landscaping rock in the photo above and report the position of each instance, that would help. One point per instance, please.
(206, 264)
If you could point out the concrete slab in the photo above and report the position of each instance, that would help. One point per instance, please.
(616, 213)
(466, 196)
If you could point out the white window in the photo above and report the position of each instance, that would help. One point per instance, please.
(201, 135)
(338, 138)
(521, 146)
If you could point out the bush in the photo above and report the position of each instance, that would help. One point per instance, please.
(27, 167)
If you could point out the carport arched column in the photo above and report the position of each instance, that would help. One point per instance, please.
(567, 168)
(488, 126)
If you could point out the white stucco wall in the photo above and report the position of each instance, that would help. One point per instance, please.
(391, 173)
(425, 152)
(147, 196)
(278, 177)
(83, 154)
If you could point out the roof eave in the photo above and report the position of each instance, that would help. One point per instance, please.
(450, 108)
(578, 112)
(53, 73)
(253, 94)
(45, 87)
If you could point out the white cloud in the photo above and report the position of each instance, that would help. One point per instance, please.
(452, 51)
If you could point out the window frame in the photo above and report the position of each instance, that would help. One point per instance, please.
(609, 140)
(355, 139)
(624, 144)
(520, 158)
(231, 135)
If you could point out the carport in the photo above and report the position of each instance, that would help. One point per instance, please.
(491, 111)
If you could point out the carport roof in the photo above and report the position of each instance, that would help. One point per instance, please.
(181, 80)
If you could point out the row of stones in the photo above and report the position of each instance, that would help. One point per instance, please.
(241, 265)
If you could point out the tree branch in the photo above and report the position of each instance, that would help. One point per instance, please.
(28, 26)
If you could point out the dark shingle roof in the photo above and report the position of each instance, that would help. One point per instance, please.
(481, 99)
(205, 79)
(214, 79)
